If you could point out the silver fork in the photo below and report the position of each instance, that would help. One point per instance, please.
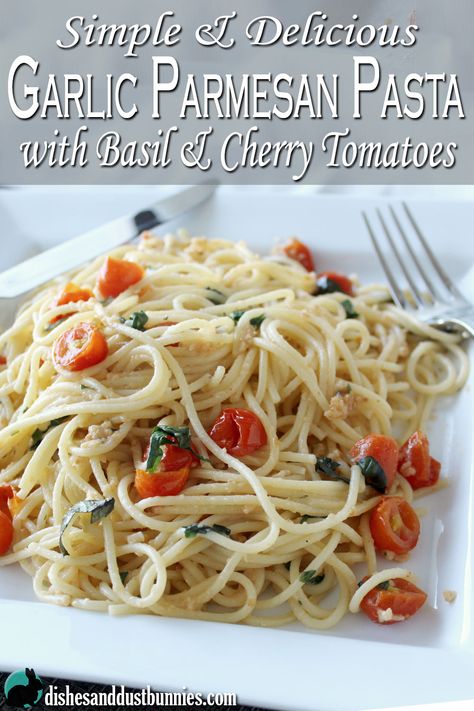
(438, 302)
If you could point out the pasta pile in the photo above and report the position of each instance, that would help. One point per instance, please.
(279, 541)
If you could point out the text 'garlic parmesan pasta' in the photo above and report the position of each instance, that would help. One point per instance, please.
(317, 379)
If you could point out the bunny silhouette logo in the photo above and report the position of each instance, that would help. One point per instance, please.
(23, 689)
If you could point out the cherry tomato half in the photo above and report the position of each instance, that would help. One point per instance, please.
(160, 483)
(238, 431)
(6, 492)
(71, 294)
(381, 448)
(300, 253)
(117, 275)
(6, 532)
(174, 457)
(80, 347)
(394, 525)
(435, 469)
(343, 283)
(172, 473)
(401, 597)
(415, 463)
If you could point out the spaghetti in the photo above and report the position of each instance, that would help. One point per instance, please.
(203, 325)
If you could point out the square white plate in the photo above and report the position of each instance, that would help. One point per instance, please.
(357, 665)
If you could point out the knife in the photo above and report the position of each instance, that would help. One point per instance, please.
(57, 260)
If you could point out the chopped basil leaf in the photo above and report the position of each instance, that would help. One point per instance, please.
(98, 509)
(161, 435)
(37, 436)
(329, 467)
(236, 316)
(327, 286)
(123, 575)
(215, 296)
(195, 528)
(307, 517)
(309, 577)
(348, 307)
(383, 586)
(137, 320)
(257, 320)
(85, 387)
(50, 326)
(373, 473)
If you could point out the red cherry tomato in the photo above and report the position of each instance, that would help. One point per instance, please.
(80, 347)
(415, 463)
(6, 492)
(175, 458)
(71, 294)
(238, 431)
(3, 360)
(6, 532)
(117, 275)
(172, 473)
(300, 253)
(394, 525)
(381, 448)
(166, 483)
(435, 468)
(339, 280)
(401, 597)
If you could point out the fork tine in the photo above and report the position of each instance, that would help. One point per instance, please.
(396, 291)
(413, 287)
(429, 284)
(436, 265)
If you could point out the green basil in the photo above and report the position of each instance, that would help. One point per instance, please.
(348, 307)
(195, 528)
(256, 321)
(306, 518)
(309, 577)
(98, 509)
(329, 467)
(324, 285)
(215, 296)
(162, 435)
(137, 320)
(373, 473)
(236, 316)
(38, 435)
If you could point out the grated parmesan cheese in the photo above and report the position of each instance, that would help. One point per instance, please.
(450, 595)
(388, 616)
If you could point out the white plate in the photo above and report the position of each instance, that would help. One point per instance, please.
(357, 665)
